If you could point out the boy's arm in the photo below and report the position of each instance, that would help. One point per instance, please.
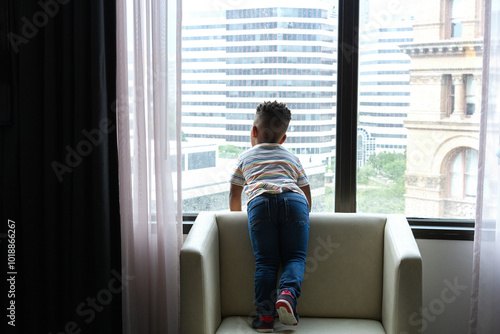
(307, 191)
(235, 197)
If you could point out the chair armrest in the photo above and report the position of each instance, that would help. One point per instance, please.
(402, 286)
(200, 278)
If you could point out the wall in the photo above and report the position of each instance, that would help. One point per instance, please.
(447, 275)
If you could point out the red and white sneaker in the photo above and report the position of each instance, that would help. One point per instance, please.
(286, 307)
(263, 324)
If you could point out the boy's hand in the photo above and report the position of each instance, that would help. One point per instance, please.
(307, 192)
(235, 197)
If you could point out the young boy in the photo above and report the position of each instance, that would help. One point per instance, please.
(279, 202)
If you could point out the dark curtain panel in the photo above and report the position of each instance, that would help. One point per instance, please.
(59, 175)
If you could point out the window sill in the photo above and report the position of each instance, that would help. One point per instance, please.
(443, 229)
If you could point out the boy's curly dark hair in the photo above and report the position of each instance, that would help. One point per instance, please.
(274, 116)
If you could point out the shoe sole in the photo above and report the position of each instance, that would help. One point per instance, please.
(265, 330)
(285, 313)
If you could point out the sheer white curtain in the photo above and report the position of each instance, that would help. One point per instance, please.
(485, 305)
(147, 118)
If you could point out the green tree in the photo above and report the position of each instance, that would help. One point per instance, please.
(364, 174)
(229, 151)
(381, 183)
(389, 164)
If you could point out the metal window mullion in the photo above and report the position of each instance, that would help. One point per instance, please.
(347, 106)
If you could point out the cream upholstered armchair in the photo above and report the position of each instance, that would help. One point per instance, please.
(363, 276)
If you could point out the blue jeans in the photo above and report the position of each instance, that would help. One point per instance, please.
(279, 233)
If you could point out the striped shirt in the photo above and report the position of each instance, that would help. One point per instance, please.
(269, 168)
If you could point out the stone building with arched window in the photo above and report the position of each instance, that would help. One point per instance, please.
(445, 103)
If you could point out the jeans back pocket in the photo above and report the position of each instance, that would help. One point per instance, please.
(297, 210)
(258, 213)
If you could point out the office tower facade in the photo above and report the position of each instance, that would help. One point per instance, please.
(384, 87)
(234, 59)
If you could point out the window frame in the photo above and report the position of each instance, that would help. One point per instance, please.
(347, 118)
(346, 136)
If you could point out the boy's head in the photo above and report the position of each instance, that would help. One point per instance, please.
(270, 123)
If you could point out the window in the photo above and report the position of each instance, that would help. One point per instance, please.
(264, 51)
(471, 94)
(374, 143)
(461, 93)
(456, 17)
(438, 111)
(449, 95)
(462, 177)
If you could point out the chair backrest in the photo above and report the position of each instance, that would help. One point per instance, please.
(344, 269)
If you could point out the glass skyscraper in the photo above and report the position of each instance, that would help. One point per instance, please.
(234, 59)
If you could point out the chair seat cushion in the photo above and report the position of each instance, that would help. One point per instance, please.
(241, 325)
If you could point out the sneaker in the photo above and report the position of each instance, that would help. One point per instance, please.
(263, 324)
(286, 307)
